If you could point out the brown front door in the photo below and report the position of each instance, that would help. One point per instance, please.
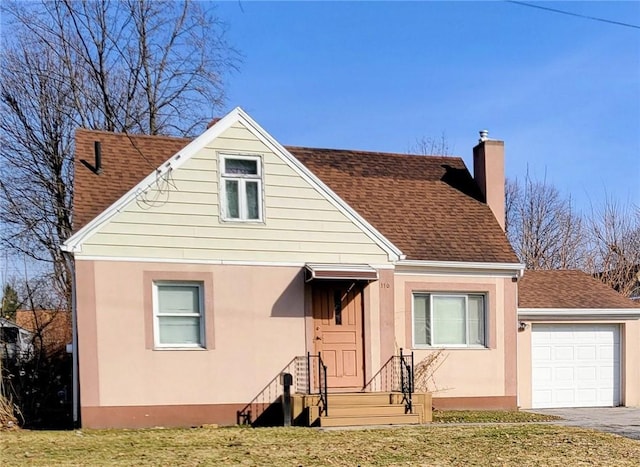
(337, 320)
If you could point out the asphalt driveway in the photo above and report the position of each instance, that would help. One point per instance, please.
(623, 421)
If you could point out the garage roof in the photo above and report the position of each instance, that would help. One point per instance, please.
(566, 289)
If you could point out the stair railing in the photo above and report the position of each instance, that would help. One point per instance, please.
(396, 375)
(251, 412)
(317, 381)
(385, 380)
(406, 380)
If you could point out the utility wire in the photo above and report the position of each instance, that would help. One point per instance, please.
(578, 15)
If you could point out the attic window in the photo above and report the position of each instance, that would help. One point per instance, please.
(241, 188)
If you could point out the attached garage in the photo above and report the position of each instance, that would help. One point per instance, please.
(575, 365)
(578, 342)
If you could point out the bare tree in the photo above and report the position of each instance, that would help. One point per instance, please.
(546, 233)
(37, 130)
(141, 66)
(512, 195)
(542, 226)
(614, 246)
(429, 146)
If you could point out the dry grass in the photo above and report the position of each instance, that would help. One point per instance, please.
(8, 419)
(521, 445)
(490, 416)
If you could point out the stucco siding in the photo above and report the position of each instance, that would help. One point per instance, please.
(465, 372)
(179, 217)
(251, 336)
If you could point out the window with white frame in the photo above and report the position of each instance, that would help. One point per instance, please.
(178, 314)
(241, 179)
(449, 320)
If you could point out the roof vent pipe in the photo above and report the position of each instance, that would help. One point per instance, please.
(97, 151)
(484, 135)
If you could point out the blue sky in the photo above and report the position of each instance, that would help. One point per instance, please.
(562, 92)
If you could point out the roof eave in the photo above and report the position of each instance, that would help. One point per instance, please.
(508, 269)
(563, 314)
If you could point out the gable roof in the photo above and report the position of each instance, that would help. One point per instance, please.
(126, 160)
(429, 207)
(237, 115)
(568, 289)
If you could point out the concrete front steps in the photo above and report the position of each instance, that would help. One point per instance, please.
(366, 408)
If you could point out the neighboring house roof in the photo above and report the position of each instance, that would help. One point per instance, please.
(429, 207)
(568, 289)
(54, 325)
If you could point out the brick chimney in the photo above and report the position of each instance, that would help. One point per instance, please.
(488, 171)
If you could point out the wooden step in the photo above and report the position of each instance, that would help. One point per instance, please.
(356, 420)
(365, 410)
(354, 398)
(356, 410)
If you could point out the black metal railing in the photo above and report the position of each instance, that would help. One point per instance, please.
(264, 408)
(386, 379)
(406, 380)
(309, 376)
(396, 375)
(317, 381)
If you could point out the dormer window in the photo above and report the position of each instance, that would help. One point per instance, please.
(241, 178)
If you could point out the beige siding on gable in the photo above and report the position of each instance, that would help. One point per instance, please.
(179, 217)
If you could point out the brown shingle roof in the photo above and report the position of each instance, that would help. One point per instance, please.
(429, 207)
(126, 160)
(54, 325)
(568, 289)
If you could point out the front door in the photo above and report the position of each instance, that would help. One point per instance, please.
(337, 320)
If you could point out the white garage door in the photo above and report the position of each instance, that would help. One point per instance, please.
(575, 365)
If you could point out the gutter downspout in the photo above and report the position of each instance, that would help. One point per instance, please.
(74, 340)
(517, 278)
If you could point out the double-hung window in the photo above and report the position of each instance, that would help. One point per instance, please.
(241, 178)
(449, 320)
(179, 314)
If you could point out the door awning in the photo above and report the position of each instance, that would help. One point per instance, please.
(362, 272)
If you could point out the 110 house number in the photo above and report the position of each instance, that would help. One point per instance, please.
(385, 285)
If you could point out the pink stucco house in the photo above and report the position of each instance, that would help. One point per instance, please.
(205, 268)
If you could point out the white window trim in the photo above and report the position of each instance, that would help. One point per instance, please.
(454, 295)
(156, 320)
(242, 208)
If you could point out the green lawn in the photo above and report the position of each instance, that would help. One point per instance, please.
(522, 445)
